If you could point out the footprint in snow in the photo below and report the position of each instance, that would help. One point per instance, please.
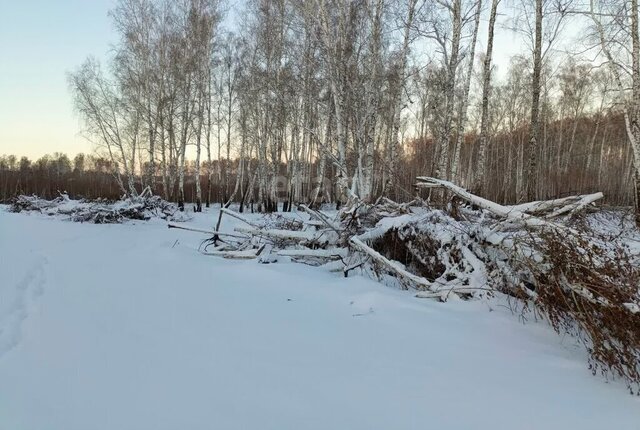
(26, 293)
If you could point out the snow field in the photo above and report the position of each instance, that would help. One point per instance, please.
(129, 327)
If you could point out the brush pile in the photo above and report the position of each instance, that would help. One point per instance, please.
(550, 256)
(142, 207)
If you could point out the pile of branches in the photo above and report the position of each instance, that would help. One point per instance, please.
(543, 254)
(589, 288)
(142, 207)
(582, 280)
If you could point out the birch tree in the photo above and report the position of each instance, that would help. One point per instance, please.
(542, 33)
(110, 121)
(398, 79)
(481, 165)
(616, 27)
(464, 102)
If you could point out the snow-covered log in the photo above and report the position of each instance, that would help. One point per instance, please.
(556, 207)
(211, 232)
(583, 202)
(493, 207)
(291, 235)
(246, 254)
(322, 218)
(335, 253)
(237, 216)
(396, 268)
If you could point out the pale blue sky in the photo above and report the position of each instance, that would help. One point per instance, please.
(40, 41)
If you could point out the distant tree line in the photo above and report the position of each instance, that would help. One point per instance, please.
(582, 154)
(85, 176)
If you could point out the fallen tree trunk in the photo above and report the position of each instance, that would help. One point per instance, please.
(322, 218)
(562, 205)
(247, 254)
(574, 207)
(495, 208)
(296, 236)
(336, 253)
(211, 232)
(417, 282)
(236, 216)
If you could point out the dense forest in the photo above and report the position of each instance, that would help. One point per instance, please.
(600, 161)
(325, 100)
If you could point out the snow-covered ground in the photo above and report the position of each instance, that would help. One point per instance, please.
(129, 327)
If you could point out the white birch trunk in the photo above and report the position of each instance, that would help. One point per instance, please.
(464, 103)
(481, 167)
(444, 133)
